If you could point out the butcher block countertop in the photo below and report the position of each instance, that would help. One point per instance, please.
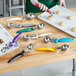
(36, 58)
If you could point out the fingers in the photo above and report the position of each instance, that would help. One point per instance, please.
(46, 9)
(62, 3)
(43, 7)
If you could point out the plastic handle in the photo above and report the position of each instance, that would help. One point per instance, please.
(25, 30)
(13, 19)
(47, 9)
(45, 34)
(55, 41)
(46, 49)
(65, 40)
(28, 25)
(16, 56)
(15, 38)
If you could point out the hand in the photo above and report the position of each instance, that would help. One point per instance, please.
(41, 6)
(62, 3)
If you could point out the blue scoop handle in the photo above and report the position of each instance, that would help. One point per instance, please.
(65, 40)
(55, 41)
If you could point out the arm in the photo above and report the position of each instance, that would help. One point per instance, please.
(34, 2)
(41, 6)
(62, 3)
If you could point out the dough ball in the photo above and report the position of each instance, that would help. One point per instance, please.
(61, 23)
(73, 29)
(69, 17)
(58, 12)
(50, 18)
(1, 41)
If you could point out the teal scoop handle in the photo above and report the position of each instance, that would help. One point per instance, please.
(27, 30)
(65, 40)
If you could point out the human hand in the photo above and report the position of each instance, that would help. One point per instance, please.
(62, 3)
(41, 6)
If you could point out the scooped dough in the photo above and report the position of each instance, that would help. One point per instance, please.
(73, 29)
(58, 12)
(50, 18)
(69, 17)
(1, 41)
(61, 23)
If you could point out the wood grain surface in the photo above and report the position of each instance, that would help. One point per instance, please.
(36, 58)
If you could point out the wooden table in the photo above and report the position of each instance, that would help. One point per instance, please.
(36, 58)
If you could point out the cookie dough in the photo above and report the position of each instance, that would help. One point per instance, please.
(61, 23)
(1, 41)
(69, 17)
(50, 18)
(73, 29)
(58, 12)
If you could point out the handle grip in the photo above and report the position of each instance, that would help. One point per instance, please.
(16, 56)
(44, 34)
(16, 37)
(25, 30)
(14, 40)
(65, 40)
(28, 25)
